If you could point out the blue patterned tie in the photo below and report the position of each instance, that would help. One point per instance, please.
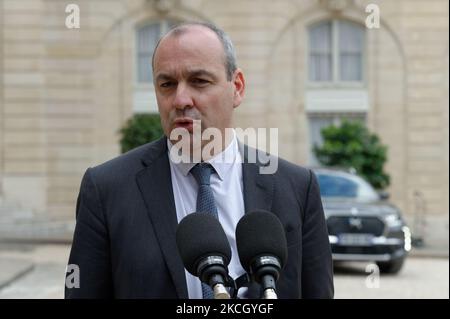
(205, 203)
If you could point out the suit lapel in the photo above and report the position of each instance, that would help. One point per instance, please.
(258, 188)
(155, 184)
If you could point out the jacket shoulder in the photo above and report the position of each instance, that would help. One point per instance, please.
(127, 164)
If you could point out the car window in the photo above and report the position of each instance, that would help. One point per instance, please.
(347, 186)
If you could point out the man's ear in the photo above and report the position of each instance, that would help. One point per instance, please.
(239, 87)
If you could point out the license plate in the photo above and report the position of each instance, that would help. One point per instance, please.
(356, 239)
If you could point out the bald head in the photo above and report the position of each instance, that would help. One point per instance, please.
(229, 54)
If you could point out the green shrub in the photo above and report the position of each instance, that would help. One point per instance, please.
(351, 145)
(139, 130)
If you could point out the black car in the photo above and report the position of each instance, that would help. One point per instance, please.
(362, 224)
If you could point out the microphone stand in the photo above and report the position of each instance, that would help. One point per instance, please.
(240, 282)
(226, 290)
(268, 282)
(220, 292)
(231, 284)
(270, 294)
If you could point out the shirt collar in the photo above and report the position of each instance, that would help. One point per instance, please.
(222, 162)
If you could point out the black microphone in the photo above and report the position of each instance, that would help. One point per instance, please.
(262, 248)
(205, 251)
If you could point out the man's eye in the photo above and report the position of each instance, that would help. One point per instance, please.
(198, 81)
(166, 84)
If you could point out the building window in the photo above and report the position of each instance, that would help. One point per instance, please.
(320, 53)
(317, 121)
(147, 38)
(336, 50)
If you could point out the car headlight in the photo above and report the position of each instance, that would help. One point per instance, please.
(393, 220)
(408, 241)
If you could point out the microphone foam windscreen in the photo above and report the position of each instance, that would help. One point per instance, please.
(260, 233)
(200, 235)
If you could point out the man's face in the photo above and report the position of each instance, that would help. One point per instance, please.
(191, 83)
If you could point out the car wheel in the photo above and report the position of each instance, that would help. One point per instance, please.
(391, 267)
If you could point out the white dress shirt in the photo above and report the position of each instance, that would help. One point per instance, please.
(227, 187)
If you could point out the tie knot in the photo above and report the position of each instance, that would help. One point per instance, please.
(202, 173)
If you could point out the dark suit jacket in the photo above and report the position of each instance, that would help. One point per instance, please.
(124, 240)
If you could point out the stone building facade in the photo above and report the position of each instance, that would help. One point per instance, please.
(64, 93)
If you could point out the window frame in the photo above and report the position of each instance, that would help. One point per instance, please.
(335, 58)
(164, 26)
(145, 91)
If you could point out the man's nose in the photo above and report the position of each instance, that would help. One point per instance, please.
(183, 97)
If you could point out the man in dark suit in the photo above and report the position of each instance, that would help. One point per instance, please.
(128, 208)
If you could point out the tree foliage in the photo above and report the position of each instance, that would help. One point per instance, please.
(139, 130)
(351, 145)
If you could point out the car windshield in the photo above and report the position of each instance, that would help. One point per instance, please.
(345, 186)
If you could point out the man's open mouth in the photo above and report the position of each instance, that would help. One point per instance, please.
(186, 123)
